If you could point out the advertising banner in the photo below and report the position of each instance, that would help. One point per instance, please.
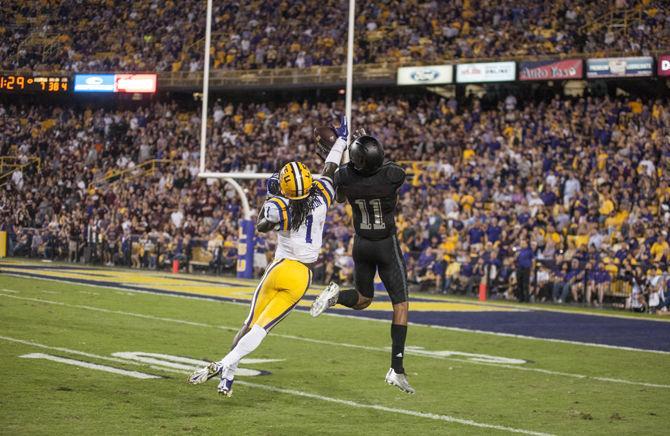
(132, 83)
(124, 83)
(664, 65)
(486, 72)
(551, 70)
(619, 67)
(94, 83)
(426, 75)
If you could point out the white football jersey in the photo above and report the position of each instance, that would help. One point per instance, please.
(303, 244)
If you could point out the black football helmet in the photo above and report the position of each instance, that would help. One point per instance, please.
(367, 154)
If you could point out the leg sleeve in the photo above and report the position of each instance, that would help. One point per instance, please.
(364, 268)
(393, 272)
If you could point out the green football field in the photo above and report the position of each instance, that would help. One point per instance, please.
(77, 359)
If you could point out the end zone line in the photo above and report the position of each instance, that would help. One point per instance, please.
(199, 297)
(338, 344)
(129, 292)
(445, 418)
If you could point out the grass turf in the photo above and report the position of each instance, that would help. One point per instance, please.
(40, 396)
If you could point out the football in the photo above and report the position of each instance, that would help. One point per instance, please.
(325, 137)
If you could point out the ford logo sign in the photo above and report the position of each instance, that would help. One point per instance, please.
(425, 75)
(96, 80)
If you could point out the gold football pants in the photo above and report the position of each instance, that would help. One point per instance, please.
(284, 283)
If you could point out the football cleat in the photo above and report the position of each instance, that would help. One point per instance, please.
(399, 381)
(203, 374)
(326, 299)
(226, 387)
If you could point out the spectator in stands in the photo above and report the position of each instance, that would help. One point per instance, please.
(276, 34)
(493, 178)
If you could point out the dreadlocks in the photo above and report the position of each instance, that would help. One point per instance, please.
(299, 209)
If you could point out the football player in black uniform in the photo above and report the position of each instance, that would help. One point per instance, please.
(371, 186)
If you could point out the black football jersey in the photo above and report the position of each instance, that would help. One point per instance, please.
(373, 198)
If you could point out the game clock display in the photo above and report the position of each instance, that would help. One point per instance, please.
(38, 84)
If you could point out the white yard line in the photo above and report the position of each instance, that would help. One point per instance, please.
(354, 404)
(89, 365)
(363, 318)
(338, 344)
(11, 291)
(64, 350)
(558, 341)
(357, 405)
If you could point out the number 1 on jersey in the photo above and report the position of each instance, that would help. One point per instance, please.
(308, 221)
(378, 222)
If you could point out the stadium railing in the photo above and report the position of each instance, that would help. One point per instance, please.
(145, 168)
(9, 164)
(376, 74)
(135, 251)
(364, 74)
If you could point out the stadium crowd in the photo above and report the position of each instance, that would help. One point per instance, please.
(153, 35)
(560, 200)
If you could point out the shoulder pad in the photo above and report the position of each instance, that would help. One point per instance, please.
(394, 172)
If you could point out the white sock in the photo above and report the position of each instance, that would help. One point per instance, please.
(246, 345)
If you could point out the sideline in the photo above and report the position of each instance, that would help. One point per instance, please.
(338, 344)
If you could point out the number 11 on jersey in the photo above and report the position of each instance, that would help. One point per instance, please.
(378, 220)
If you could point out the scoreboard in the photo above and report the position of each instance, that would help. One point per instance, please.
(123, 83)
(20, 83)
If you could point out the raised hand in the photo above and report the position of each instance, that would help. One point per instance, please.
(343, 130)
(272, 185)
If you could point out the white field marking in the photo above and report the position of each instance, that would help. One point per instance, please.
(74, 362)
(117, 312)
(49, 292)
(342, 344)
(357, 405)
(315, 288)
(65, 350)
(511, 335)
(472, 356)
(559, 341)
(381, 408)
(141, 358)
(378, 407)
(362, 318)
(445, 418)
(11, 291)
(88, 293)
(187, 363)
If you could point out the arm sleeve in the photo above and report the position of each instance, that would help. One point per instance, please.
(271, 212)
(335, 155)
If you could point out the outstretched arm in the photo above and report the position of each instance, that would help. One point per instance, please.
(335, 156)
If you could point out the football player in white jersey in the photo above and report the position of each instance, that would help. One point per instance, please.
(298, 213)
